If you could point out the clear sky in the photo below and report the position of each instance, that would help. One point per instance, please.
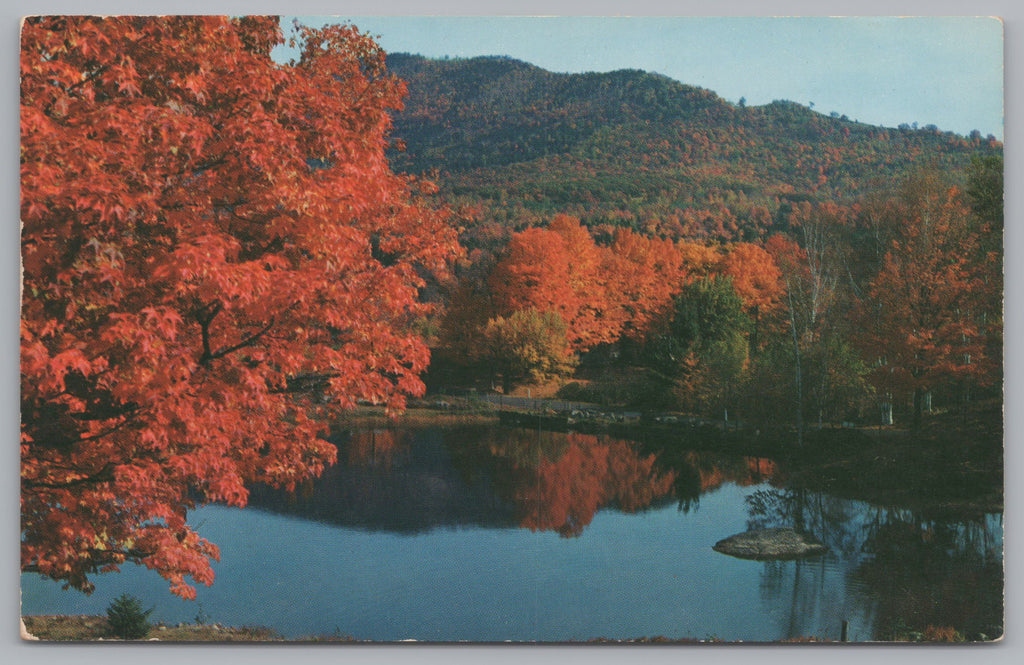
(884, 71)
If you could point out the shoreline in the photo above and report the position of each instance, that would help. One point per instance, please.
(945, 468)
(89, 628)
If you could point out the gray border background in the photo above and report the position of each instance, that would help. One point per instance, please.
(1007, 651)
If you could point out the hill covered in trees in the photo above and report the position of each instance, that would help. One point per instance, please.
(637, 149)
(714, 258)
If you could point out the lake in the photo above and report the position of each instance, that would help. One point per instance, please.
(495, 534)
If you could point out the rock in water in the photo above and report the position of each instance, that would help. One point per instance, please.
(784, 543)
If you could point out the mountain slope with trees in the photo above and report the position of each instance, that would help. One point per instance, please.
(769, 264)
(636, 149)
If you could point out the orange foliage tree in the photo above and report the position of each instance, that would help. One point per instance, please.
(646, 274)
(925, 312)
(559, 269)
(757, 281)
(207, 234)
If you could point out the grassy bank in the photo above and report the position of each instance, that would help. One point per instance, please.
(58, 628)
(952, 465)
(84, 628)
(76, 628)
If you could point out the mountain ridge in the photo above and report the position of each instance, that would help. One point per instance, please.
(637, 148)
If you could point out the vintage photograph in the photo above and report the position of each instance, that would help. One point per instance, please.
(588, 330)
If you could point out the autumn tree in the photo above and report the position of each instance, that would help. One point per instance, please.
(533, 273)
(757, 280)
(924, 313)
(645, 274)
(599, 318)
(528, 345)
(559, 269)
(215, 255)
(985, 195)
(468, 308)
(813, 268)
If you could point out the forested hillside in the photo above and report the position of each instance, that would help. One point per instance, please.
(723, 259)
(637, 149)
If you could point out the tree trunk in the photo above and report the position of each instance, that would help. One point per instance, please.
(887, 411)
(918, 407)
(799, 377)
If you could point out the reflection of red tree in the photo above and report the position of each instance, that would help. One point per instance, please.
(745, 472)
(376, 447)
(711, 479)
(761, 468)
(562, 493)
(634, 482)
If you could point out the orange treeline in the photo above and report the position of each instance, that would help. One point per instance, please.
(620, 289)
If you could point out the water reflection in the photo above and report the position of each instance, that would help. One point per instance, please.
(557, 482)
(924, 575)
(698, 473)
(829, 518)
(394, 480)
(889, 572)
(913, 576)
(397, 480)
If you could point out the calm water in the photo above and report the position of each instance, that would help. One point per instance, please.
(492, 535)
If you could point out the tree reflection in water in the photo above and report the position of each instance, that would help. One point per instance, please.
(912, 572)
(557, 482)
(377, 447)
(889, 571)
(416, 480)
(698, 473)
(922, 572)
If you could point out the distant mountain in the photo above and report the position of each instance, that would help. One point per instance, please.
(640, 149)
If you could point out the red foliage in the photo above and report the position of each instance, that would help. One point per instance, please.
(206, 235)
(924, 318)
(647, 273)
(563, 491)
(755, 276)
(559, 269)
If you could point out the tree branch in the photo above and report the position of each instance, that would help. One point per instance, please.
(104, 475)
(248, 341)
(205, 315)
(306, 383)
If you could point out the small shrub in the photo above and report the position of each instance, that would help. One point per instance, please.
(202, 618)
(127, 619)
(941, 634)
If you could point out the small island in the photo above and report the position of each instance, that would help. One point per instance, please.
(760, 544)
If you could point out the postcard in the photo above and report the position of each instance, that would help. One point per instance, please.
(511, 329)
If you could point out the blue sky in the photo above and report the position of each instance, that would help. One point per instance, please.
(884, 71)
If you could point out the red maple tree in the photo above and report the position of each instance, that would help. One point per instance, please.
(758, 282)
(646, 274)
(560, 269)
(215, 254)
(755, 276)
(925, 312)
